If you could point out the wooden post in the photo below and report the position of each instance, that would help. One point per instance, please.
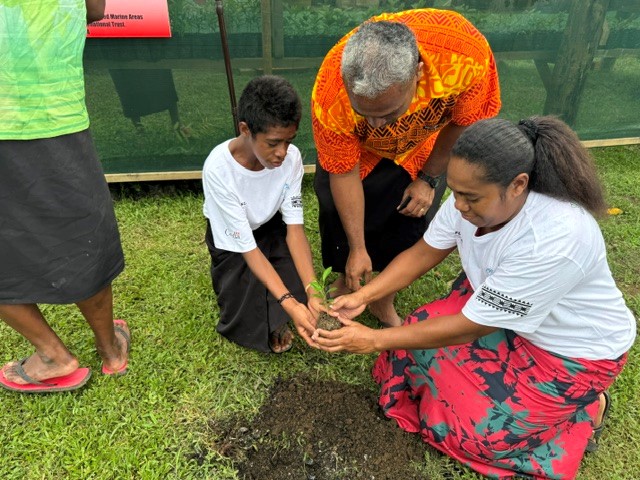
(575, 56)
(277, 26)
(267, 46)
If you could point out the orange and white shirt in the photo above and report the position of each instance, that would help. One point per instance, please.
(459, 84)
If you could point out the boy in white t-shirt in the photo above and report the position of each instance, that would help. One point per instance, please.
(260, 255)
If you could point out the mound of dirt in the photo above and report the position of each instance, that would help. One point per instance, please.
(311, 430)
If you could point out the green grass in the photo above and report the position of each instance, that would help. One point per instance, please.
(157, 421)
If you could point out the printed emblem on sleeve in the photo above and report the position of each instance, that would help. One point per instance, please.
(296, 201)
(503, 302)
(232, 233)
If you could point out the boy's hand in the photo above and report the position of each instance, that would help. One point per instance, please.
(302, 318)
(315, 307)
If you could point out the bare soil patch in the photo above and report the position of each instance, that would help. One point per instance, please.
(320, 430)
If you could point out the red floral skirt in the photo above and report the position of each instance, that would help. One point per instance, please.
(500, 405)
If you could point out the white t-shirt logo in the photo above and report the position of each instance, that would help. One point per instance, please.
(232, 233)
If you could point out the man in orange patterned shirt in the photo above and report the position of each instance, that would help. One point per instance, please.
(389, 101)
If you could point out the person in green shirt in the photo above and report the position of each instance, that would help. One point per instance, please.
(59, 239)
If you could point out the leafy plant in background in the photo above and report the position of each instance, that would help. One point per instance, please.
(325, 19)
(191, 16)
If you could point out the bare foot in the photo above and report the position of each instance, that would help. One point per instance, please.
(115, 362)
(39, 368)
(601, 409)
(340, 287)
(385, 312)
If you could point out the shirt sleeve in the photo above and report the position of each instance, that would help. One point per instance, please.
(441, 233)
(332, 117)
(338, 152)
(291, 208)
(229, 223)
(522, 291)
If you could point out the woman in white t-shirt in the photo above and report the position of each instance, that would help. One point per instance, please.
(509, 373)
(260, 255)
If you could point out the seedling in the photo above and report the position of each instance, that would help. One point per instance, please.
(322, 290)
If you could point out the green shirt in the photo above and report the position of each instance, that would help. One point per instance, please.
(41, 75)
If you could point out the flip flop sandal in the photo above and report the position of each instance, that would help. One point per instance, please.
(279, 335)
(592, 443)
(65, 383)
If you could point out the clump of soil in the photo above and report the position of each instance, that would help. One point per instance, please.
(311, 430)
(327, 322)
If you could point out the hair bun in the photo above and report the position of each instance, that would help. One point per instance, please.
(530, 128)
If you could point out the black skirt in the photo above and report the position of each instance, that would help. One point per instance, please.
(59, 240)
(144, 91)
(248, 312)
(386, 232)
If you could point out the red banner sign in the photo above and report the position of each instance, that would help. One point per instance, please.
(132, 18)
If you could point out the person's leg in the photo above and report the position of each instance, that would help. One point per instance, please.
(334, 245)
(242, 298)
(183, 131)
(387, 232)
(174, 114)
(98, 312)
(52, 358)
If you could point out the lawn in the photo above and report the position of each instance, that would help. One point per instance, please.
(155, 422)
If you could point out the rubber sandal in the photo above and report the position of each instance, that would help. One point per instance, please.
(592, 443)
(65, 383)
(279, 335)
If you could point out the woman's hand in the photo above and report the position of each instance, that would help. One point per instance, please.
(352, 337)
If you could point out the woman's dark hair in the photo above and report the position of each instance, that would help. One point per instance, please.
(269, 101)
(545, 148)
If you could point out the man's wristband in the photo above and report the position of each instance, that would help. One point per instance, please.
(284, 297)
(433, 182)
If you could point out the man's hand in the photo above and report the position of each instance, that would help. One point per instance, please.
(358, 269)
(421, 195)
(348, 306)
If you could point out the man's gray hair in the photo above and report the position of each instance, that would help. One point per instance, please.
(378, 55)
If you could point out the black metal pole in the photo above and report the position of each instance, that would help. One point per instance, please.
(227, 65)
